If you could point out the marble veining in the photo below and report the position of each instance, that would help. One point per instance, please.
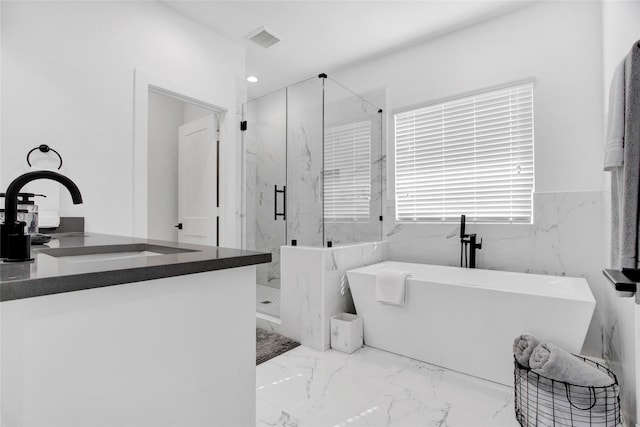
(313, 288)
(283, 146)
(264, 145)
(370, 387)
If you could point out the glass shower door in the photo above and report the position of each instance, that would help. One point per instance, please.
(353, 165)
(264, 225)
(304, 165)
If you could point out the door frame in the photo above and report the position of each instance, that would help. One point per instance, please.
(143, 84)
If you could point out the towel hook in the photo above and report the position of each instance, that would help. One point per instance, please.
(45, 149)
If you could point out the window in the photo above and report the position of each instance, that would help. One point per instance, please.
(471, 155)
(347, 172)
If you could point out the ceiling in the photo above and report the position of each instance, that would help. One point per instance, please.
(327, 36)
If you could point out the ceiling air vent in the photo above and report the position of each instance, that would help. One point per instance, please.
(264, 37)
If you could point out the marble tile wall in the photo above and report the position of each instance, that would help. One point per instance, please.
(283, 146)
(313, 288)
(291, 121)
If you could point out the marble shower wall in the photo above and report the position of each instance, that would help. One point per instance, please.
(283, 145)
(565, 239)
(265, 145)
(313, 289)
(304, 163)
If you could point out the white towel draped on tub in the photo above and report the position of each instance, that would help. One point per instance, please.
(391, 286)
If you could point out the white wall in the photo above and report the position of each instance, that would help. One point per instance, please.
(538, 41)
(560, 44)
(620, 30)
(67, 79)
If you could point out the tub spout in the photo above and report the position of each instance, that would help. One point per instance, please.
(473, 245)
(469, 240)
(14, 244)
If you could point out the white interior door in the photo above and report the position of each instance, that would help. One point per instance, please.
(197, 181)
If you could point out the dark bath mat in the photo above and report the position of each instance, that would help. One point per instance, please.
(270, 345)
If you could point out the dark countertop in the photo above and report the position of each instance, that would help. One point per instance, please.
(49, 274)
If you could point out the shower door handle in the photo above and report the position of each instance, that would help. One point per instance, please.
(276, 214)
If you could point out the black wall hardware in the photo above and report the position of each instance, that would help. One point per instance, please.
(470, 241)
(15, 246)
(178, 226)
(243, 125)
(322, 75)
(329, 244)
(624, 280)
(294, 242)
(283, 214)
(380, 217)
(45, 149)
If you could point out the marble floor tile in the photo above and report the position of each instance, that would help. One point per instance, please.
(370, 387)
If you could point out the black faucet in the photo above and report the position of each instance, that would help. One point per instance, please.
(471, 240)
(14, 244)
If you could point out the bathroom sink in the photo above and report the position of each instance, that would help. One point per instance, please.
(111, 252)
(106, 256)
(72, 234)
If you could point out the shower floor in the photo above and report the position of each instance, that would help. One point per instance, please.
(268, 300)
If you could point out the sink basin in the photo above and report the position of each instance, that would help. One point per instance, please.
(106, 256)
(111, 252)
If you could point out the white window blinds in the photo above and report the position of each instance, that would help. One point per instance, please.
(471, 156)
(347, 172)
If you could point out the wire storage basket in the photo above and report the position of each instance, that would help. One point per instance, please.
(541, 401)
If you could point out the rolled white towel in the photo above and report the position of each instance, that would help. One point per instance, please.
(550, 361)
(523, 347)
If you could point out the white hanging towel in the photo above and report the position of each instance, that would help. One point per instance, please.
(48, 207)
(391, 286)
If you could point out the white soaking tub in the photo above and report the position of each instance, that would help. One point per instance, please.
(466, 319)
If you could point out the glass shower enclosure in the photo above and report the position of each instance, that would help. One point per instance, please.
(313, 174)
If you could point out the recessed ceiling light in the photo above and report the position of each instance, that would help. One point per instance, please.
(252, 79)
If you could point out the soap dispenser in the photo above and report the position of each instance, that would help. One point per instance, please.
(27, 212)
(31, 217)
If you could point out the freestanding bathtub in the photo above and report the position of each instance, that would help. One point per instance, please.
(466, 319)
